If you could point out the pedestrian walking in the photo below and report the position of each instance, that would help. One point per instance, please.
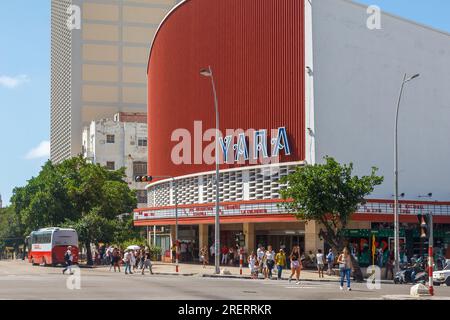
(390, 267)
(296, 264)
(116, 259)
(137, 260)
(127, 261)
(269, 262)
(224, 252)
(147, 262)
(320, 263)
(330, 261)
(345, 268)
(132, 260)
(259, 256)
(204, 256)
(252, 261)
(68, 259)
(174, 252)
(231, 256)
(280, 260)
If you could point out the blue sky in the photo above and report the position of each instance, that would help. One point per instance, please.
(25, 79)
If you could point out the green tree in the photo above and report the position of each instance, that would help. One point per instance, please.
(87, 196)
(11, 229)
(327, 193)
(44, 200)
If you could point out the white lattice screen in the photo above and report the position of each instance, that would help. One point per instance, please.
(262, 184)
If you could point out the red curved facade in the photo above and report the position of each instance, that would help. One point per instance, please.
(256, 51)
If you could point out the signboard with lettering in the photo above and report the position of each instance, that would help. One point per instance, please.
(276, 207)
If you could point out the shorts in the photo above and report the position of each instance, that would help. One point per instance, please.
(295, 264)
(320, 266)
(202, 258)
(147, 263)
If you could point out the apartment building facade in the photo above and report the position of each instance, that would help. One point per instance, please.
(99, 54)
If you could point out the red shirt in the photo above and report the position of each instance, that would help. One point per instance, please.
(224, 250)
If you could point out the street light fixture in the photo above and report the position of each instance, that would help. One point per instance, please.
(396, 215)
(207, 72)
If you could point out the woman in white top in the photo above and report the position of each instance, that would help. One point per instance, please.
(252, 261)
(345, 267)
(270, 262)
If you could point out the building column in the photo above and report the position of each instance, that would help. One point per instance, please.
(312, 241)
(249, 232)
(203, 236)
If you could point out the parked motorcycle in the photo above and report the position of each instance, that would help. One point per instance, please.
(414, 273)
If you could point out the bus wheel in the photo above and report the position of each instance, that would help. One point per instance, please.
(54, 264)
(44, 263)
(33, 263)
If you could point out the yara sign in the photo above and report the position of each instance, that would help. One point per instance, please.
(249, 146)
(259, 147)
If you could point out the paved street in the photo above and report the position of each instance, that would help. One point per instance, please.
(20, 280)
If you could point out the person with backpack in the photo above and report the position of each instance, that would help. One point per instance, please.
(68, 258)
(330, 262)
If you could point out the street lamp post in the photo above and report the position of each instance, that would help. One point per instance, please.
(396, 215)
(208, 73)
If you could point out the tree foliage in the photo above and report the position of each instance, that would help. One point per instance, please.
(11, 229)
(76, 193)
(329, 194)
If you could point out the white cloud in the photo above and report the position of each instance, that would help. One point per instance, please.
(41, 151)
(13, 82)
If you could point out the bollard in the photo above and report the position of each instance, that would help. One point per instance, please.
(240, 263)
(430, 270)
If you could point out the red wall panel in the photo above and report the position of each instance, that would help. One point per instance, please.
(256, 51)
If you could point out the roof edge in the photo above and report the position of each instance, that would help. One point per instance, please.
(166, 17)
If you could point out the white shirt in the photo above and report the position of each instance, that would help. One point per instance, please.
(270, 255)
(319, 258)
(211, 249)
(126, 256)
(260, 254)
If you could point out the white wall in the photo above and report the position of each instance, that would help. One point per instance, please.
(357, 77)
(126, 144)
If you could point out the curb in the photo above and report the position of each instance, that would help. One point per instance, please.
(174, 274)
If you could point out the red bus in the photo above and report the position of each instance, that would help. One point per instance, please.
(47, 246)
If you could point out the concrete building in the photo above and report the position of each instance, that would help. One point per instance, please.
(99, 68)
(120, 142)
(310, 75)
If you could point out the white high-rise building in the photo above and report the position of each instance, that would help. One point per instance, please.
(100, 68)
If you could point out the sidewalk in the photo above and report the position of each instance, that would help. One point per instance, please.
(198, 270)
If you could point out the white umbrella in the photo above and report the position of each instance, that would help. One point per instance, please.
(133, 247)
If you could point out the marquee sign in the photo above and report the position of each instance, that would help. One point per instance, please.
(202, 211)
(276, 207)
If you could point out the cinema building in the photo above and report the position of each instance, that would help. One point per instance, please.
(296, 81)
